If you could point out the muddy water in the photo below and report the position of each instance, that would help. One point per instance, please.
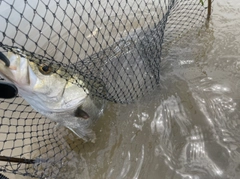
(188, 127)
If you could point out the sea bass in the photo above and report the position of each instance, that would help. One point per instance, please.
(55, 97)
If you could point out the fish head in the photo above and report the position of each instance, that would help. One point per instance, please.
(41, 86)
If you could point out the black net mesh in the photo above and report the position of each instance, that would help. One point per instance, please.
(113, 47)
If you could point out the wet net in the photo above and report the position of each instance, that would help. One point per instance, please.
(114, 49)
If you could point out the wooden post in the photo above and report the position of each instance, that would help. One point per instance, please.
(209, 9)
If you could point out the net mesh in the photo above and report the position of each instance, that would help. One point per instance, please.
(114, 47)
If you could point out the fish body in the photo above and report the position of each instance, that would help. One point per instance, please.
(55, 97)
(121, 73)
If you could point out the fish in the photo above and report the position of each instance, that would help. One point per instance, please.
(52, 95)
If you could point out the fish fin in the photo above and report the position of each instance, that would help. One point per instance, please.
(81, 113)
(87, 135)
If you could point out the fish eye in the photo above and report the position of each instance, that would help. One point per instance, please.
(45, 69)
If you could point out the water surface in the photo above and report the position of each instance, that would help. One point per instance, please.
(188, 128)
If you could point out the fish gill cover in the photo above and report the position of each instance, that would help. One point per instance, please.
(113, 47)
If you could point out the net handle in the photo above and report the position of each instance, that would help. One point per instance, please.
(16, 160)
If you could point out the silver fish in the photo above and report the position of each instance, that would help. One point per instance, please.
(53, 96)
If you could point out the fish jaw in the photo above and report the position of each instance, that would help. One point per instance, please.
(45, 93)
(19, 72)
(53, 96)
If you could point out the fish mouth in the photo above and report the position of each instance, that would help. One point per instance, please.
(14, 69)
(4, 59)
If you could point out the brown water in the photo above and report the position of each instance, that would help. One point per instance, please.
(189, 127)
(186, 129)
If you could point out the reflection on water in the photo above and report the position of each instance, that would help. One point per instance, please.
(198, 123)
(189, 128)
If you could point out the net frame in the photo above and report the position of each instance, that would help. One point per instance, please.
(21, 124)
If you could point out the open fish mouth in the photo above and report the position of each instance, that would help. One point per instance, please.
(4, 59)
